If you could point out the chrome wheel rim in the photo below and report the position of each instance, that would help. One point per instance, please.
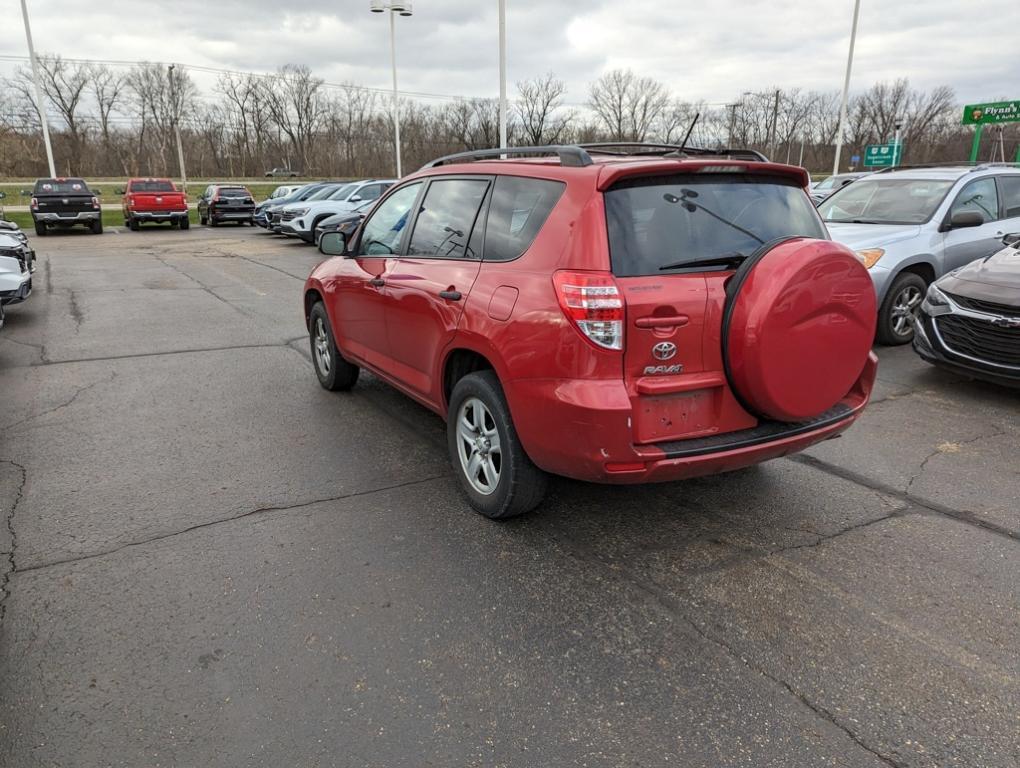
(481, 456)
(321, 343)
(905, 307)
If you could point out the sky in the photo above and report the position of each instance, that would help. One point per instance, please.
(711, 50)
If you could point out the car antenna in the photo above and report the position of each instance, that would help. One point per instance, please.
(679, 151)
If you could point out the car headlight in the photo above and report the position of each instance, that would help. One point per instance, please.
(935, 302)
(870, 256)
(299, 211)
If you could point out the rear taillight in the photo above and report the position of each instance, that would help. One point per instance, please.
(95, 202)
(35, 202)
(595, 304)
(131, 201)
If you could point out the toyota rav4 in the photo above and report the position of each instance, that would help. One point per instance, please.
(612, 313)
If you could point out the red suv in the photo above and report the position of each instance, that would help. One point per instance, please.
(612, 313)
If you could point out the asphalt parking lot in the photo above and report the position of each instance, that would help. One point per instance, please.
(209, 560)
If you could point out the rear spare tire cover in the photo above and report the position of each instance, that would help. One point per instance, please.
(798, 325)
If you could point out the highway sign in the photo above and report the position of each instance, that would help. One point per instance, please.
(879, 155)
(995, 112)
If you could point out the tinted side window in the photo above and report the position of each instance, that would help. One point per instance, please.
(1010, 195)
(370, 192)
(517, 212)
(981, 196)
(382, 231)
(446, 217)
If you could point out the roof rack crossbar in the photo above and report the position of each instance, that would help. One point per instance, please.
(649, 148)
(569, 155)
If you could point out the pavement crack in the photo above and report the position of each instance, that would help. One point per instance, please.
(132, 356)
(964, 516)
(70, 401)
(231, 519)
(5, 577)
(197, 282)
(823, 538)
(672, 608)
(947, 447)
(76, 313)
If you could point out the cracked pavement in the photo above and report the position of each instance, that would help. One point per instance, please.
(208, 560)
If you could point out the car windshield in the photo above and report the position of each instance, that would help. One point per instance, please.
(323, 193)
(886, 201)
(343, 192)
(673, 222)
(152, 186)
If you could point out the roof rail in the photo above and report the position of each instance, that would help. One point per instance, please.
(648, 148)
(968, 164)
(569, 155)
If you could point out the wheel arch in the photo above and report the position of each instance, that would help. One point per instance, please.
(312, 296)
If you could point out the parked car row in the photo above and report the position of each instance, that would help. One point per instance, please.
(305, 212)
(17, 263)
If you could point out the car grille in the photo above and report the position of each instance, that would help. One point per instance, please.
(18, 254)
(978, 305)
(980, 340)
(289, 215)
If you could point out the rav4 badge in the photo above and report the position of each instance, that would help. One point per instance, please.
(659, 370)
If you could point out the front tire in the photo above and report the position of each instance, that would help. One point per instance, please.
(901, 302)
(333, 371)
(495, 473)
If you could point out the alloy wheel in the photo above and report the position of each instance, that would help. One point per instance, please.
(478, 446)
(904, 307)
(322, 353)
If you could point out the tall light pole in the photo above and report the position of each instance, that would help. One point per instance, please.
(177, 128)
(502, 73)
(404, 9)
(40, 105)
(846, 89)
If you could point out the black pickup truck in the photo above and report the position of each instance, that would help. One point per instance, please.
(64, 203)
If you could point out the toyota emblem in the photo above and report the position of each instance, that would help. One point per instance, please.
(664, 350)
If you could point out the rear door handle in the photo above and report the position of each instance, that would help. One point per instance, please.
(671, 321)
(378, 282)
(450, 295)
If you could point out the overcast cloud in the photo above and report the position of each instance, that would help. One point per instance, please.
(712, 50)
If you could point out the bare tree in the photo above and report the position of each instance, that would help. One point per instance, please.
(627, 105)
(64, 85)
(539, 110)
(296, 105)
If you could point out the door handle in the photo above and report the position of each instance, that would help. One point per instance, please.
(450, 295)
(378, 282)
(671, 321)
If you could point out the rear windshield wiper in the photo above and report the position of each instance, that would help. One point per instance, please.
(723, 260)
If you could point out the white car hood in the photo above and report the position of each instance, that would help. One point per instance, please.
(858, 236)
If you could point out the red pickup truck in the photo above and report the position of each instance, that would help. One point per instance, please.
(154, 200)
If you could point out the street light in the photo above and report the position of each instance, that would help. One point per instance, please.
(502, 73)
(846, 89)
(38, 92)
(403, 9)
(177, 126)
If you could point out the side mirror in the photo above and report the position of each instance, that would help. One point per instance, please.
(355, 199)
(964, 219)
(333, 244)
(1011, 238)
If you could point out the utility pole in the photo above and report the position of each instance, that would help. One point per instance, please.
(733, 119)
(502, 73)
(846, 89)
(39, 104)
(177, 127)
(774, 128)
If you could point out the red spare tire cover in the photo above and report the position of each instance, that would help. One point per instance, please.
(798, 325)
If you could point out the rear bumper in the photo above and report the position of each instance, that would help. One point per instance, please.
(67, 218)
(930, 346)
(158, 215)
(14, 288)
(583, 430)
(231, 215)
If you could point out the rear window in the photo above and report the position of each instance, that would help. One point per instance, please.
(517, 212)
(663, 222)
(152, 186)
(234, 192)
(61, 186)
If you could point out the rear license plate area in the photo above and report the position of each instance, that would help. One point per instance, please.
(674, 416)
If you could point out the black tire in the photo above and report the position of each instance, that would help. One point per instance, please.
(40, 229)
(133, 224)
(905, 294)
(213, 222)
(333, 371)
(520, 485)
(202, 220)
(185, 223)
(96, 227)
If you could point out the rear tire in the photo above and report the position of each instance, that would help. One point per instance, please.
(213, 222)
(185, 223)
(333, 371)
(495, 473)
(40, 229)
(903, 299)
(133, 224)
(96, 227)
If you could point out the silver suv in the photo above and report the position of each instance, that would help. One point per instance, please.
(910, 226)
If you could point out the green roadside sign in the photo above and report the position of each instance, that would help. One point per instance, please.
(882, 155)
(994, 112)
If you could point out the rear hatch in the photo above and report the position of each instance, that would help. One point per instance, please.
(675, 240)
(234, 200)
(155, 197)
